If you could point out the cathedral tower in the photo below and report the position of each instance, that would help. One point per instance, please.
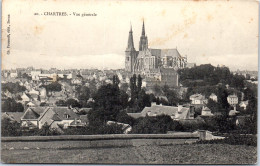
(130, 53)
(143, 44)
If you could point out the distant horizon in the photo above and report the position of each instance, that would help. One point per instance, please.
(37, 68)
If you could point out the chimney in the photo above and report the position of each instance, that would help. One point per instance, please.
(179, 108)
(153, 103)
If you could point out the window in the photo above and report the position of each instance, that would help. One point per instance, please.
(67, 116)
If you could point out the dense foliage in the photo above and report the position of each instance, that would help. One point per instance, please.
(14, 88)
(53, 87)
(154, 125)
(9, 128)
(10, 105)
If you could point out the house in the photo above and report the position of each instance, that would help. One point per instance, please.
(84, 120)
(198, 99)
(33, 104)
(33, 91)
(25, 98)
(77, 81)
(8, 94)
(176, 113)
(233, 112)
(35, 74)
(36, 117)
(206, 112)
(213, 97)
(243, 104)
(125, 127)
(34, 97)
(241, 120)
(13, 116)
(232, 99)
(13, 74)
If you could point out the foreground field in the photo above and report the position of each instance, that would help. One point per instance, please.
(168, 154)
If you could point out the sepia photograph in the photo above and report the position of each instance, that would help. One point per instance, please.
(129, 82)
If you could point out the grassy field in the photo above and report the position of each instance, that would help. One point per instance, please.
(170, 154)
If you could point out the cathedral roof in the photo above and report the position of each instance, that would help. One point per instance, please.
(165, 52)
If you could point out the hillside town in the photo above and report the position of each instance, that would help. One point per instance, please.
(159, 91)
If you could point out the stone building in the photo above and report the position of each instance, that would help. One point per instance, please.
(156, 65)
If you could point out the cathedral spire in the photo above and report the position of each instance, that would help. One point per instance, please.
(130, 44)
(143, 43)
(143, 30)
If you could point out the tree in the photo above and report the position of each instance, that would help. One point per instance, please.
(73, 103)
(13, 88)
(133, 88)
(26, 76)
(123, 117)
(46, 131)
(10, 105)
(222, 99)
(123, 99)
(83, 93)
(9, 128)
(53, 87)
(143, 100)
(116, 80)
(213, 106)
(157, 90)
(108, 102)
(124, 87)
(153, 125)
(139, 83)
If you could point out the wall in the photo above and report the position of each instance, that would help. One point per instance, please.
(95, 141)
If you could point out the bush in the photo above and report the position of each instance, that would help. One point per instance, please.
(154, 125)
(10, 105)
(92, 130)
(10, 128)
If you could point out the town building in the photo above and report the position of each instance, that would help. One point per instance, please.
(198, 99)
(243, 104)
(206, 112)
(213, 97)
(55, 117)
(232, 100)
(176, 113)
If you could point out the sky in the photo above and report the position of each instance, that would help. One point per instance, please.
(216, 32)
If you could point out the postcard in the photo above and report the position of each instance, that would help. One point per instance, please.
(129, 82)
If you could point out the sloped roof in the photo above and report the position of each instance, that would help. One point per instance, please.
(56, 117)
(232, 112)
(206, 109)
(16, 116)
(84, 118)
(34, 95)
(212, 95)
(166, 110)
(33, 113)
(232, 96)
(135, 115)
(63, 111)
(124, 125)
(244, 102)
(165, 52)
(198, 97)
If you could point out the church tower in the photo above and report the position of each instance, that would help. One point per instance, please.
(143, 43)
(130, 53)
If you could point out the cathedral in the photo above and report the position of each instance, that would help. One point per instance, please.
(156, 65)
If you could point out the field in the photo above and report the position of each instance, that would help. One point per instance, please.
(152, 154)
